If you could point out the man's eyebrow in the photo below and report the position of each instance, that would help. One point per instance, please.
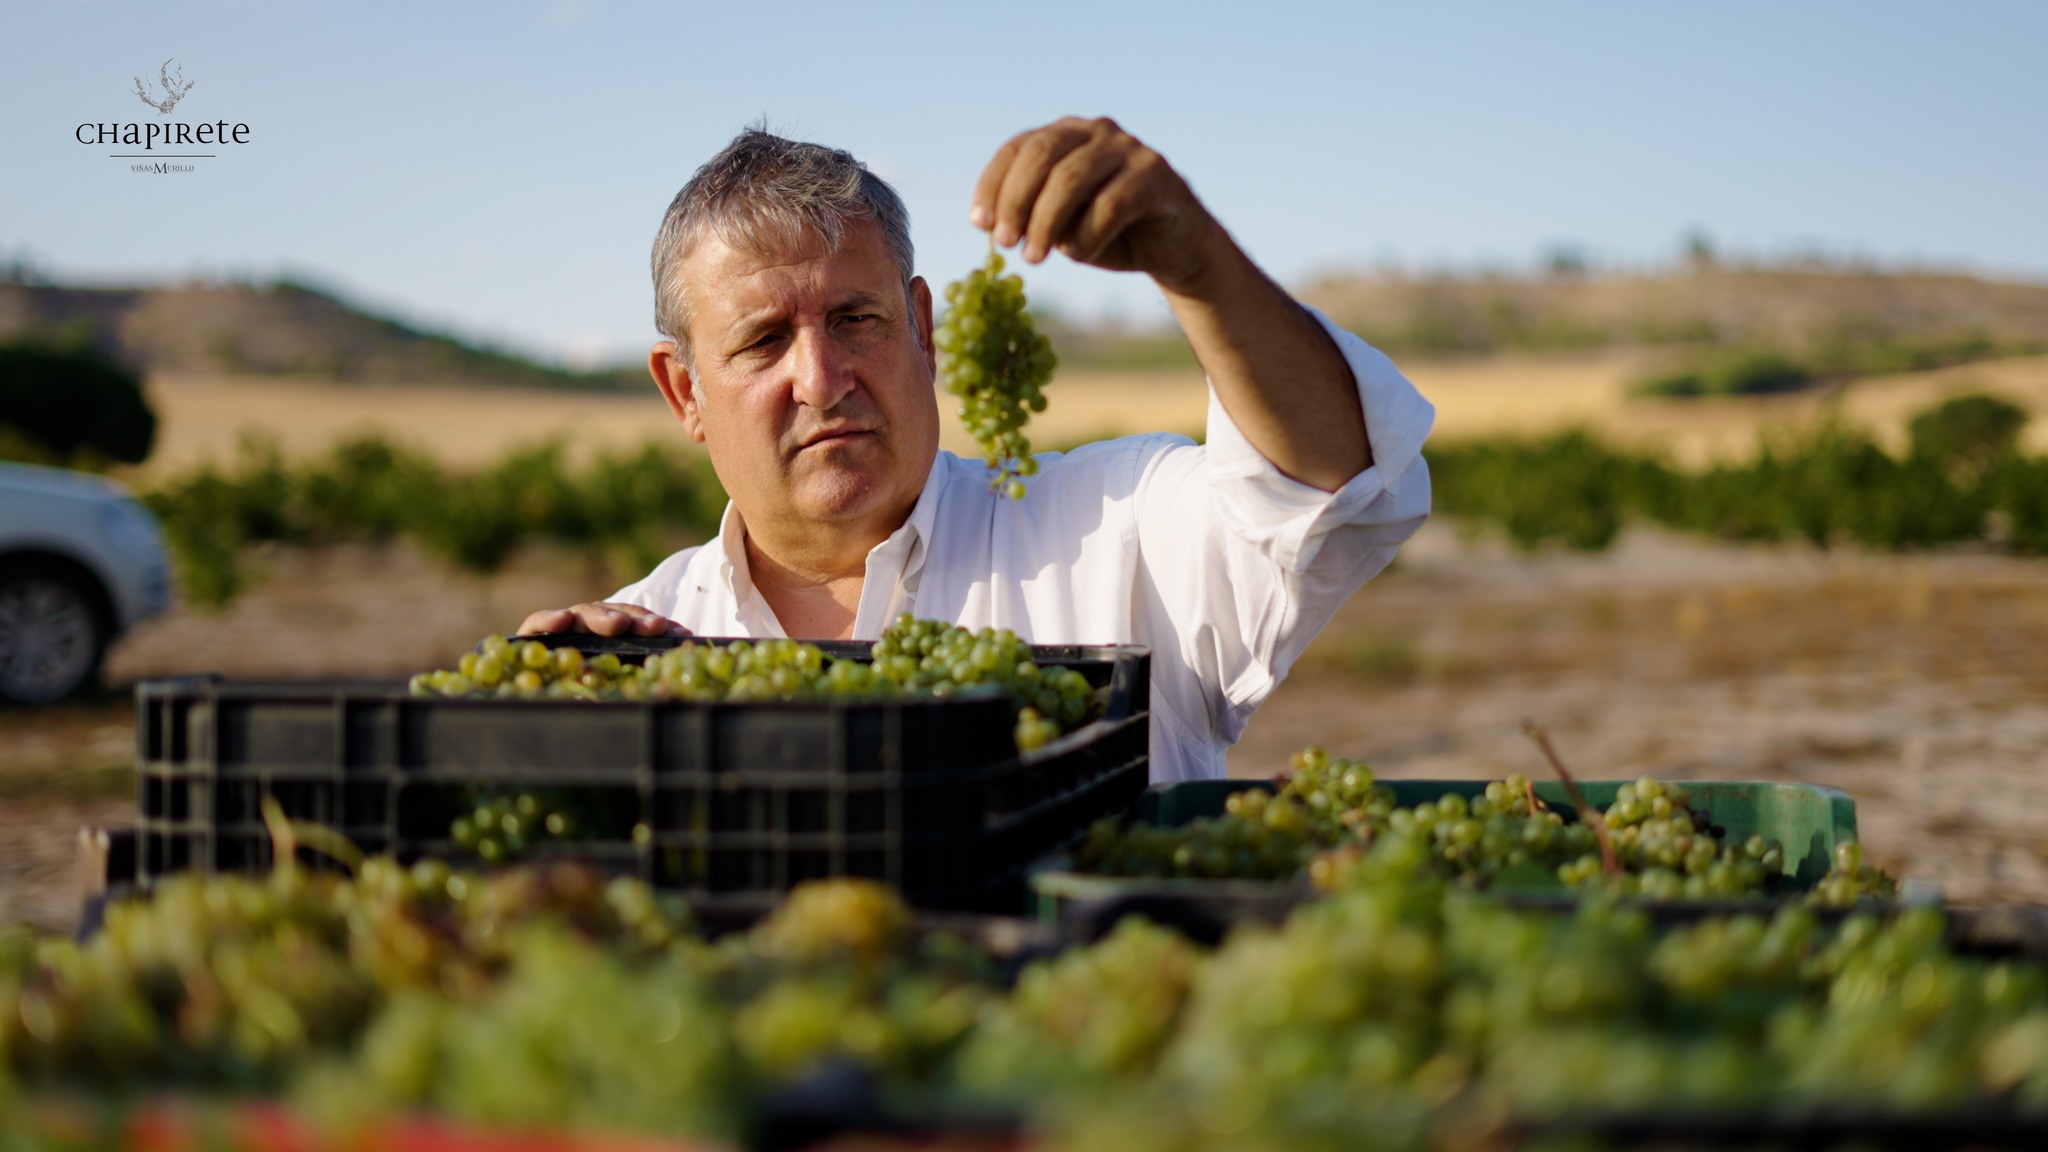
(749, 327)
(752, 326)
(859, 298)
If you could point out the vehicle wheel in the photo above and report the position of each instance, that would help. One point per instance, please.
(53, 634)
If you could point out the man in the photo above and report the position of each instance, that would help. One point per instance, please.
(800, 354)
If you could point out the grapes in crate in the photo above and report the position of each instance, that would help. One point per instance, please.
(913, 658)
(501, 826)
(1328, 822)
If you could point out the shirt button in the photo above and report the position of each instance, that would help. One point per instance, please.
(910, 584)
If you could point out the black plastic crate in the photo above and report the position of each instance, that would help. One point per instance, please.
(728, 803)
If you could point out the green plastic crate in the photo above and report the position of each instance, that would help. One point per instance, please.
(1808, 819)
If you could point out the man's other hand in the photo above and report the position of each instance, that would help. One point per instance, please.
(1095, 192)
(605, 619)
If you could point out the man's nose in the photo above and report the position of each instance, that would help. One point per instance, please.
(823, 373)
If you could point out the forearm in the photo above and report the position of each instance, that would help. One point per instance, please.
(1275, 370)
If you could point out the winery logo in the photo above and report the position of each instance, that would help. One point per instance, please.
(157, 137)
(173, 90)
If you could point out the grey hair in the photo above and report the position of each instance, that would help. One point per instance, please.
(764, 193)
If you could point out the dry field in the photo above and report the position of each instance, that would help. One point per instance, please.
(1917, 683)
(1528, 395)
(205, 417)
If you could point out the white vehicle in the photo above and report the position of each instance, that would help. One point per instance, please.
(81, 562)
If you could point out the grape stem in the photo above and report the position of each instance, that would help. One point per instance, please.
(1535, 732)
(286, 834)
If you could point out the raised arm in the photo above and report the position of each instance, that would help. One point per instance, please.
(1091, 190)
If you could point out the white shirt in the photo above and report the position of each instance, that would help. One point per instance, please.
(1208, 555)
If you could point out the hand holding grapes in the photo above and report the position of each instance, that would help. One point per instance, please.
(1091, 190)
(1095, 192)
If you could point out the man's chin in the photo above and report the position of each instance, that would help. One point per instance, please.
(837, 495)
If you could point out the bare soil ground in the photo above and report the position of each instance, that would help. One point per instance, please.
(1919, 684)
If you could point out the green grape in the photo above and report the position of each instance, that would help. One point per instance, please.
(995, 360)
(1034, 730)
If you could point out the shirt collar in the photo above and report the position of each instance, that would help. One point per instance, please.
(917, 530)
(732, 539)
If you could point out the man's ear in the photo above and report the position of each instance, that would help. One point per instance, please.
(921, 315)
(671, 372)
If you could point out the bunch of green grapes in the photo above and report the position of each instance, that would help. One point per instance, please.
(1671, 851)
(1348, 992)
(860, 921)
(1086, 1015)
(500, 828)
(433, 926)
(903, 1027)
(1260, 836)
(929, 657)
(222, 981)
(835, 972)
(995, 360)
(1850, 880)
(236, 981)
(1663, 850)
(568, 1037)
(1341, 793)
(1477, 840)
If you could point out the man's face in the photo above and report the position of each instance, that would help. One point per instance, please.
(812, 382)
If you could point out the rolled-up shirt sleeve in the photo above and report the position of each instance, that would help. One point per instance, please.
(1244, 565)
(1290, 519)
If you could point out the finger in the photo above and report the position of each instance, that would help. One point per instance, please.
(981, 211)
(548, 620)
(1114, 208)
(1027, 174)
(643, 621)
(603, 619)
(647, 622)
(1068, 191)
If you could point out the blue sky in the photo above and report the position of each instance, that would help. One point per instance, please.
(498, 169)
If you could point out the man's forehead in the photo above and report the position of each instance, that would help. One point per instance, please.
(724, 267)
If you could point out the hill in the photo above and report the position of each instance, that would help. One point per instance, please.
(1840, 321)
(1810, 310)
(279, 329)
